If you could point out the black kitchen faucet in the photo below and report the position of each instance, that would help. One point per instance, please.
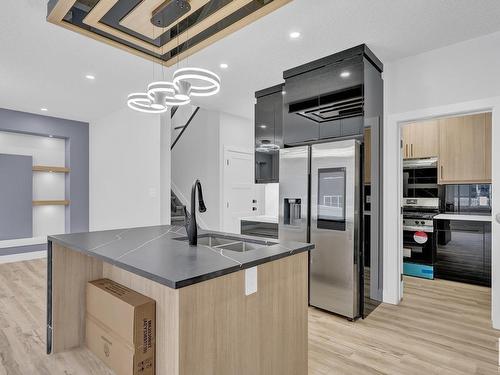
(191, 226)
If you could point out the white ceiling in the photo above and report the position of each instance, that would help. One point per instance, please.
(42, 65)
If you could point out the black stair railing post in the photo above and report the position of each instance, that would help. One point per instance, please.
(185, 127)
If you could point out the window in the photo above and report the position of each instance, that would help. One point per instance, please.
(331, 198)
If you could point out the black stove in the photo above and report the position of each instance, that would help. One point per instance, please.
(419, 233)
(419, 215)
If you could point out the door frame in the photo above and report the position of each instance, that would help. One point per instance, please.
(393, 239)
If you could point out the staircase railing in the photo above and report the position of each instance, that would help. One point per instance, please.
(183, 127)
(177, 208)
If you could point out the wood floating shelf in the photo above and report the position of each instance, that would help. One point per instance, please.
(47, 168)
(51, 203)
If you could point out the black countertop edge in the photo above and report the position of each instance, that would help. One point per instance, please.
(195, 279)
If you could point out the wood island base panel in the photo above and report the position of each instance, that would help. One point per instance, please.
(208, 328)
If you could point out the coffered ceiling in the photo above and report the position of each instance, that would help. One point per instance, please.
(165, 31)
(45, 66)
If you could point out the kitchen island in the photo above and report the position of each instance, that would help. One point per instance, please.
(230, 305)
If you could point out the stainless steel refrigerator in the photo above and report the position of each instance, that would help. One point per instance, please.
(320, 203)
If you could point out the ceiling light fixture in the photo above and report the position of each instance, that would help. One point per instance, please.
(43, 109)
(187, 82)
(345, 74)
(294, 35)
(203, 82)
(267, 146)
(90, 77)
(224, 66)
(263, 126)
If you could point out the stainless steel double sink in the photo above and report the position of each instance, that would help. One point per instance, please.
(224, 242)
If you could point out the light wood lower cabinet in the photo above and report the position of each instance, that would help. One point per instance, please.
(208, 328)
(465, 149)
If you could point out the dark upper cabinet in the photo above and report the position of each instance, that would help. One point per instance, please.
(326, 98)
(268, 133)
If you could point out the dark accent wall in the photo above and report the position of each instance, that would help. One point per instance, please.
(76, 134)
(16, 194)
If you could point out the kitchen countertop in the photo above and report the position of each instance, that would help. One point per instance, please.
(463, 216)
(261, 219)
(153, 252)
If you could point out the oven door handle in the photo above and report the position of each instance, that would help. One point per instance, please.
(410, 228)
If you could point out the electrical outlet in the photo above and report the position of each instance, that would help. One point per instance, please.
(152, 192)
(250, 281)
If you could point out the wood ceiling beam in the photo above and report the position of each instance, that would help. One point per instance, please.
(99, 11)
(228, 30)
(62, 7)
(139, 18)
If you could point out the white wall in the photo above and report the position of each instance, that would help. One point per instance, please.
(272, 196)
(196, 155)
(127, 185)
(236, 132)
(200, 154)
(47, 151)
(455, 79)
(457, 73)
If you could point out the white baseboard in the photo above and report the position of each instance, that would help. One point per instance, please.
(23, 242)
(23, 256)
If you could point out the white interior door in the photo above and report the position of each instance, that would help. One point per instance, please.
(239, 194)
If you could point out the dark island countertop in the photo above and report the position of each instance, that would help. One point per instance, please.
(154, 253)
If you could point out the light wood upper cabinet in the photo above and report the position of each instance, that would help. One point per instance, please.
(368, 156)
(465, 149)
(421, 140)
(406, 141)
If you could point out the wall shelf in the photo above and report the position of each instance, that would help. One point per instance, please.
(51, 203)
(47, 168)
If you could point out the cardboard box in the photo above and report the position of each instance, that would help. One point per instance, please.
(120, 327)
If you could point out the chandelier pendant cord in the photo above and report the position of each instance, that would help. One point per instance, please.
(186, 82)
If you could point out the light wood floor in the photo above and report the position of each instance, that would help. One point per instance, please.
(440, 328)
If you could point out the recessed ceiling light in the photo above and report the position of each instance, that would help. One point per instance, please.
(263, 126)
(90, 76)
(51, 136)
(345, 74)
(294, 34)
(224, 66)
(44, 109)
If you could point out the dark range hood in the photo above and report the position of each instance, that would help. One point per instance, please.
(333, 97)
(333, 106)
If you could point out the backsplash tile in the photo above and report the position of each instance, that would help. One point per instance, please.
(468, 198)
